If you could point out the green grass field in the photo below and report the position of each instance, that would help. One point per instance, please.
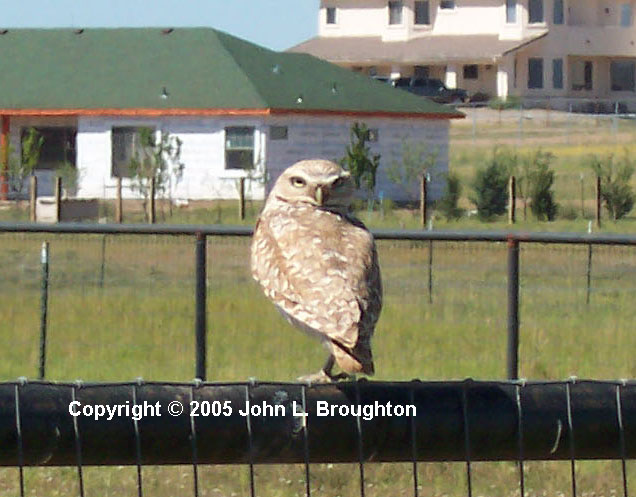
(140, 323)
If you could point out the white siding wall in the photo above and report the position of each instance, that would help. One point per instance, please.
(203, 155)
(326, 138)
(370, 18)
(205, 176)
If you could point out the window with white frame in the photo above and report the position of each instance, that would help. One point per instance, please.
(535, 73)
(535, 11)
(447, 4)
(511, 11)
(557, 74)
(126, 146)
(396, 9)
(422, 13)
(558, 16)
(239, 147)
(622, 75)
(331, 15)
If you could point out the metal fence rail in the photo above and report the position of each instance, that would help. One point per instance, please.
(52, 424)
(200, 233)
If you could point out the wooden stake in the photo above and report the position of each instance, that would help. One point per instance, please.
(423, 198)
(58, 198)
(241, 192)
(151, 202)
(512, 200)
(598, 201)
(33, 193)
(4, 159)
(119, 208)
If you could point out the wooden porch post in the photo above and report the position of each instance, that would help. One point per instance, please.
(4, 159)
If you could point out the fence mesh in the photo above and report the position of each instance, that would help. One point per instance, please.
(123, 306)
(515, 477)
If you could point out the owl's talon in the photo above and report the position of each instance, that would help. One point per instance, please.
(319, 377)
(343, 377)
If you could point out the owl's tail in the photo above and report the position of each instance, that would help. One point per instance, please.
(356, 360)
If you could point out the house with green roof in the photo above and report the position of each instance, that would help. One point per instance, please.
(234, 105)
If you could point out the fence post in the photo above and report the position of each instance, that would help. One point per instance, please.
(4, 158)
(33, 195)
(200, 324)
(44, 306)
(423, 198)
(598, 201)
(151, 202)
(102, 267)
(430, 271)
(589, 274)
(119, 211)
(513, 309)
(512, 200)
(58, 198)
(241, 199)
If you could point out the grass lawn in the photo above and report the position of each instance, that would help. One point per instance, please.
(140, 323)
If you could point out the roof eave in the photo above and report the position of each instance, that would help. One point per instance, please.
(150, 112)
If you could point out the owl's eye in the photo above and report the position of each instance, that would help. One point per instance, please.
(298, 182)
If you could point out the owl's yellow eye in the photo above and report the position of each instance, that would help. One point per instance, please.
(298, 182)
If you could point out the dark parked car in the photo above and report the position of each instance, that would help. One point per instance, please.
(432, 88)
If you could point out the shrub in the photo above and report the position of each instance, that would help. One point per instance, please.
(416, 161)
(568, 212)
(504, 104)
(540, 180)
(448, 204)
(20, 168)
(616, 191)
(358, 159)
(491, 186)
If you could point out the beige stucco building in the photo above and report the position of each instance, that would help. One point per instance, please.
(569, 52)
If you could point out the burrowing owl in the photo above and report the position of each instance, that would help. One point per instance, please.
(319, 265)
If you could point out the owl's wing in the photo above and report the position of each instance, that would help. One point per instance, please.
(322, 272)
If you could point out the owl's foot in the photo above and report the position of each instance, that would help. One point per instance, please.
(319, 377)
(322, 377)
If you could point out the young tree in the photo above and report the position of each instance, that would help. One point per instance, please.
(417, 160)
(159, 158)
(491, 185)
(616, 191)
(448, 204)
(539, 181)
(70, 177)
(358, 159)
(21, 168)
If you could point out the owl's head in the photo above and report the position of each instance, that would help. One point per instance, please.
(320, 183)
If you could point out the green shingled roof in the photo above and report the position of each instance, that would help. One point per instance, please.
(199, 68)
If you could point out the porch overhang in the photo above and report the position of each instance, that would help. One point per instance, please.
(424, 50)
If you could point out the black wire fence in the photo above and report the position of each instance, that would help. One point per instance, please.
(53, 424)
(114, 274)
(150, 301)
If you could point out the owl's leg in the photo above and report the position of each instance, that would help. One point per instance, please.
(328, 367)
(328, 370)
(324, 375)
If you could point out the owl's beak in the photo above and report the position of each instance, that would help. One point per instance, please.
(319, 196)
